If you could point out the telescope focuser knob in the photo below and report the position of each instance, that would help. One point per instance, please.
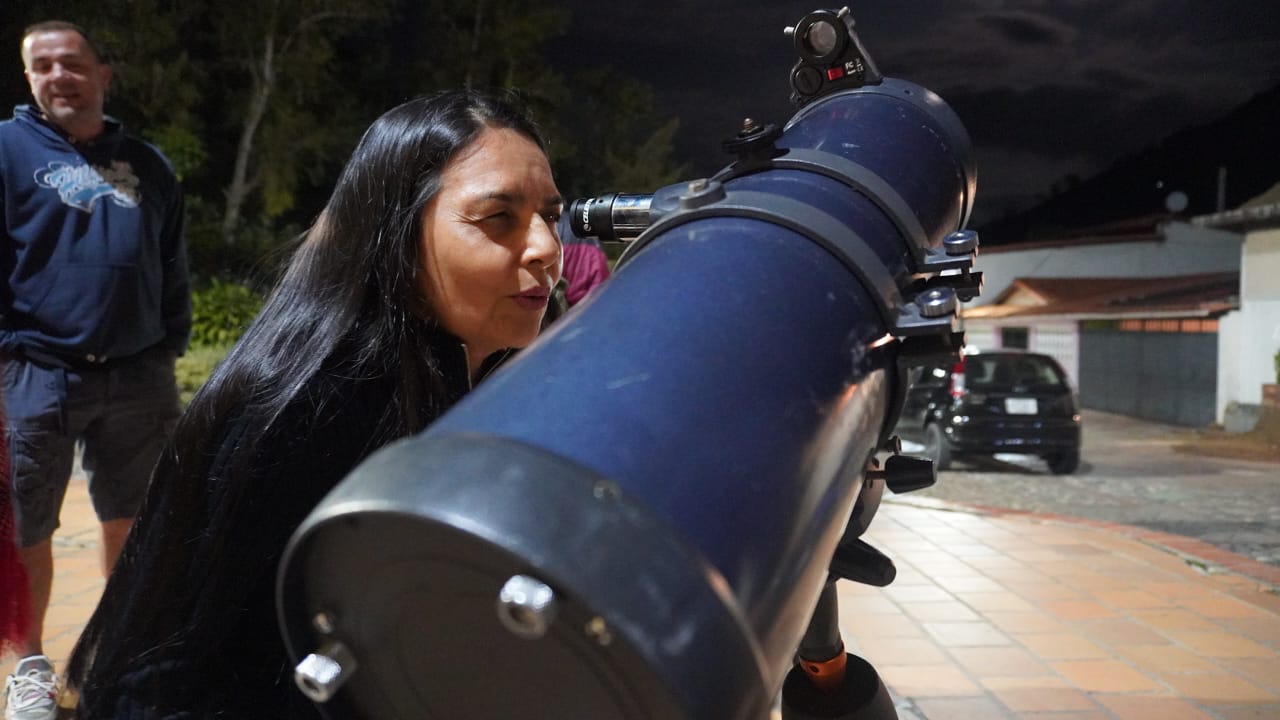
(754, 142)
(904, 474)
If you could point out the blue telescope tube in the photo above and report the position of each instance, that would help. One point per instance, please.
(673, 462)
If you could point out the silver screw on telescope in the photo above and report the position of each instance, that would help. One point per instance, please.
(321, 673)
(526, 606)
(937, 302)
(960, 242)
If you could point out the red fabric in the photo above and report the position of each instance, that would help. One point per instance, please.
(15, 595)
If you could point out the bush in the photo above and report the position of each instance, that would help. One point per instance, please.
(221, 312)
(194, 368)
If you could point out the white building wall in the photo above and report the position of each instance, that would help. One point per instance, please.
(1184, 250)
(1061, 340)
(1057, 338)
(1260, 306)
(1232, 334)
(981, 335)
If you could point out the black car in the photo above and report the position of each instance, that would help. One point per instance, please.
(996, 402)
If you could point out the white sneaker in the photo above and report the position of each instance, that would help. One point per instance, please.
(31, 693)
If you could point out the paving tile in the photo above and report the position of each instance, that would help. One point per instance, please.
(866, 603)
(1120, 631)
(1029, 622)
(963, 708)
(1056, 700)
(1263, 671)
(1253, 712)
(895, 626)
(1175, 619)
(998, 661)
(1131, 599)
(1078, 609)
(1220, 690)
(966, 634)
(1146, 707)
(940, 571)
(972, 583)
(1166, 659)
(1262, 629)
(898, 651)
(971, 550)
(1061, 647)
(1222, 606)
(1055, 715)
(939, 611)
(1092, 582)
(1105, 676)
(1044, 591)
(989, 563)
(1180, 589)
(918, 593)
(1220, 644)
(987, 601)
(919, 681)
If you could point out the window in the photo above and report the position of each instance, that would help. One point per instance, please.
(1015, 337)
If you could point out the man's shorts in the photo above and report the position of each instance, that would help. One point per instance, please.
(123, 413)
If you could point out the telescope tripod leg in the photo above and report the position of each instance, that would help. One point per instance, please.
(827, 683)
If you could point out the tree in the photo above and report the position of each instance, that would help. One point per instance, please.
(611, 139)
(285, 49)
(258, 104)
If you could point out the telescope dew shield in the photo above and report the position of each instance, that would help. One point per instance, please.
(636, 516)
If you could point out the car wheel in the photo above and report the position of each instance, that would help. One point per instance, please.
(936, 447)
(1065, 462)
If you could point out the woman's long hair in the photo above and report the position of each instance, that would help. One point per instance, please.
(348, 299)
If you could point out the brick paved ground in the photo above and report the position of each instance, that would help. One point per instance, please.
(994, 615)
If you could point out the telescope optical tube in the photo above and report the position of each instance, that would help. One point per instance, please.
(664, 475)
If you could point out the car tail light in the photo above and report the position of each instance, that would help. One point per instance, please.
(957, 379)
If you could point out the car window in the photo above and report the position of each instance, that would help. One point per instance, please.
(1006, 371)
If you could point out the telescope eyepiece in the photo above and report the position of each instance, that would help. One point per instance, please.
(610, 217)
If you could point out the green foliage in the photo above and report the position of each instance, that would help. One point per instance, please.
(260, 250)
(221, 312)
(182, 146)
(259, 104)
(1277, 361)
(646, 166)
(611, 138)
(195, 367)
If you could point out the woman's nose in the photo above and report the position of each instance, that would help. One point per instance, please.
(543, 245)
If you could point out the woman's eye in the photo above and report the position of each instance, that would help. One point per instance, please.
(552, 217)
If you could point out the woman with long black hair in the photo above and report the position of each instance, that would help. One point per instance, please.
(433, 258)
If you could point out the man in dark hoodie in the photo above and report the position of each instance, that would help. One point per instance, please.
(94, 308)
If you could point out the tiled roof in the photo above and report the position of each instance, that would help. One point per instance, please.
(1207, 294)
(1144, 228)
(1259, 213)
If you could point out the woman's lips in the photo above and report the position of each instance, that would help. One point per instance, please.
(533, 299)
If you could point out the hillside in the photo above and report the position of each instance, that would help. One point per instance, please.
(1245, 142)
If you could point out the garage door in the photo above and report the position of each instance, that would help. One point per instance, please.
(1133, 368)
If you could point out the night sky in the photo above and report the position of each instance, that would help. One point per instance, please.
(1046, 88)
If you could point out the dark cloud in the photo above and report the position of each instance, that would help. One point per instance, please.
(1046, 87)
(1028, 29)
